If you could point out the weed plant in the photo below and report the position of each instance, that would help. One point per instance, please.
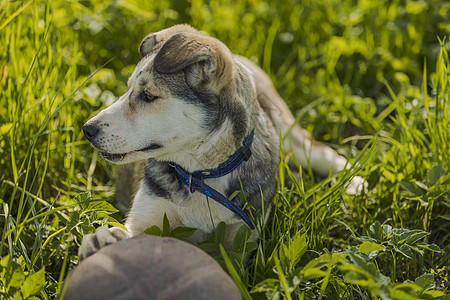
(369, 78)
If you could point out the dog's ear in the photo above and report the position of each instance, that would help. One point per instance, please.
(206, 60)
(147, 44)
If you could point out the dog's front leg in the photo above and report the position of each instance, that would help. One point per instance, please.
(147, 210)
(102, 237)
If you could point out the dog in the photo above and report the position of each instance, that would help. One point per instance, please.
(193, 109)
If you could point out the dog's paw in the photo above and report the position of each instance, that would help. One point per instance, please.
(356, 186)
(102, 237)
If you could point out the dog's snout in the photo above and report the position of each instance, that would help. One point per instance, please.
(90, 131)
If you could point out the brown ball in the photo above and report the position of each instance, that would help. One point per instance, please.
(150, 267)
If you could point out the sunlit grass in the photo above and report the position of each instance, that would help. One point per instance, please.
(372, 80)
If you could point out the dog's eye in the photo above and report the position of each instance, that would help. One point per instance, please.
(147, 97)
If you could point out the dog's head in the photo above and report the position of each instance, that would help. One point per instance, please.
(186, 89)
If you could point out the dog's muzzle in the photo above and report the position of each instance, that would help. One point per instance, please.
(92, 132)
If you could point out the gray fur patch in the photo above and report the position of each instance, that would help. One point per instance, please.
(161, 179)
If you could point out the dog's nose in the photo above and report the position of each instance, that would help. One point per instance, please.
(90, 131)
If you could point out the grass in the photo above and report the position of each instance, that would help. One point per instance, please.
(370, 79)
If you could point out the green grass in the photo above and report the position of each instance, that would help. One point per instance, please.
(368, 78)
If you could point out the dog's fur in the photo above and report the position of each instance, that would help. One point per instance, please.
(191, 102)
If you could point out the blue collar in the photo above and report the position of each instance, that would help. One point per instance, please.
(195, 182)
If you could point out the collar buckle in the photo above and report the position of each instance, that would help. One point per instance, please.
(191, 189)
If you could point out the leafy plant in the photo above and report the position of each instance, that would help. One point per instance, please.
(178, 232)
(16, 283)
(389, 247)
(322, 275)
(89, 214)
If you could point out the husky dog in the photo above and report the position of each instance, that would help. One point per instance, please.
(193, 106)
